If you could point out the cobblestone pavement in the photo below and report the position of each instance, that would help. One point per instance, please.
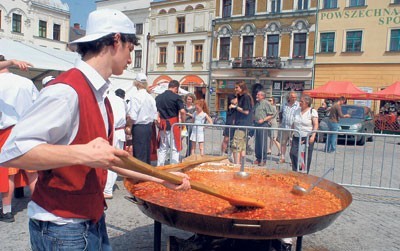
(371, 223)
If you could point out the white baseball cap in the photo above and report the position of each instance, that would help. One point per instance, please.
(103, 22)
(47, 79)
(141, 77)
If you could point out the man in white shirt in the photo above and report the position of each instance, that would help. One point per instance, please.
(67, 135)
(17, 94)
(142, 113)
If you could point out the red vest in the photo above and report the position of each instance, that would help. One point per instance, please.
(77, 191)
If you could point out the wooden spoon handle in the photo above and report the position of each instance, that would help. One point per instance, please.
(189, 163)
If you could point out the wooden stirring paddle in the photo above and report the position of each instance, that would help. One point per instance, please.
(191, 163)
(136, 165)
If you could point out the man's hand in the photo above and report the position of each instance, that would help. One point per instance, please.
(99, 153)
(21, 64)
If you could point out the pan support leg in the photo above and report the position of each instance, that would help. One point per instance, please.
(299, 243)
(157, 236)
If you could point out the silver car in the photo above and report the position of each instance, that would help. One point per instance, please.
(361, 121)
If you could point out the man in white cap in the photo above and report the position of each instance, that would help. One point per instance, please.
(67, 135)
(142, 113)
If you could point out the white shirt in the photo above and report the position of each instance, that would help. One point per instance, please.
(142, 108)
(53, 119)
(303, 122)
(17, 94)
(119, 108)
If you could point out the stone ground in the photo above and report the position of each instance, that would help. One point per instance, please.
(371, 223)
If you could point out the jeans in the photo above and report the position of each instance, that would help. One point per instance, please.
(331, 139)
(294, 151)
(81, 236)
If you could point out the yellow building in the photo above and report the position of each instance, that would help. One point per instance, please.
(358, 41)
(267, 43)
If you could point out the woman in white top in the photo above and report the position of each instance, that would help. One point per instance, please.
(305, 121)
(200, 117)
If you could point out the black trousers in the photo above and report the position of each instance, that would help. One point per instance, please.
(141, 141)
(260, 144)
(294, 151)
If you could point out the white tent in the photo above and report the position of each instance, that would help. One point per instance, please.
(162, 87)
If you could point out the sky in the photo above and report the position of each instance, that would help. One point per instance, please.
(80, 10)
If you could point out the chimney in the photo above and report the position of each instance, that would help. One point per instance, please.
(77, 26)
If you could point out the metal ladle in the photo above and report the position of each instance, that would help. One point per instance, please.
(298, 190)
(242, 174)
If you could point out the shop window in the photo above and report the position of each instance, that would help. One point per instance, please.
(356, 3)
(42, 28)
(163, 55)
(16, 23)
(139, 29)
(198, 53)
(180, 52)
(250, 8)
(302, 4)
(56, 32)
(353, 41)
(275, 6)
(226, 8)
(224, 48)
(327, 42)
(181, 24)
(396, 1)
(299, 45)
(330, 4)
(395, 40)
(272, 46)
(138, 59)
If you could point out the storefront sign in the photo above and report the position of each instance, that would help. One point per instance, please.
(293, 86)
(385, 15)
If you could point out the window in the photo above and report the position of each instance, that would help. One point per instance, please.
(275, 6)
(180, 52)
(330, 4)
(395, 40)
(226, 8)
(250, 8)
(163, 55)
(355, 3)
(396, 1)
(56, 32)
(181, 24)
(198, 53)
(16, 23)
(42, 28)
(224, 48)
(139, 29)
(302, 4)
(327, 42)
(353, 41)
(272, 46)
(248, 42)
(299, 46)
(138, 59)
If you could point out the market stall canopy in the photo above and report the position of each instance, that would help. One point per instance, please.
(162, 87)
(336, 89)
(46, 61)
(391, 92)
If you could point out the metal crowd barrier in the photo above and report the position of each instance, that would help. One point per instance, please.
(375, 164)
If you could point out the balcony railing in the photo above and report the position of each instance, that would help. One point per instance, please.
(257, 62)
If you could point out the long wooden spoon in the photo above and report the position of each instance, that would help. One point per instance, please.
(191, 163)
(136, 165)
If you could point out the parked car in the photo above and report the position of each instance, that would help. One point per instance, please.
(361, 121)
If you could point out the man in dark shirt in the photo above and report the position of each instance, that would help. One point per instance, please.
(334, 115)
(169, 106)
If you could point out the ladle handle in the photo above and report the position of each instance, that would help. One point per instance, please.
(319, 179)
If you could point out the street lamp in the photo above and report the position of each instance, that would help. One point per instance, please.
(147, 51)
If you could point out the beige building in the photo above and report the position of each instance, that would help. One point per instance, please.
(269, 44)
(180, 43)
(41, 22)
(358, 41)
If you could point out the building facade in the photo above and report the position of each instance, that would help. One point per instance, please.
(358, 41)
(41, 22)
(180, 44)
(269, 44)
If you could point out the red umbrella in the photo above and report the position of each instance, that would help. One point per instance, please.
(336, 89)
(391, 92)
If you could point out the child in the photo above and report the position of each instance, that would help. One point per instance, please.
(200, 117)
